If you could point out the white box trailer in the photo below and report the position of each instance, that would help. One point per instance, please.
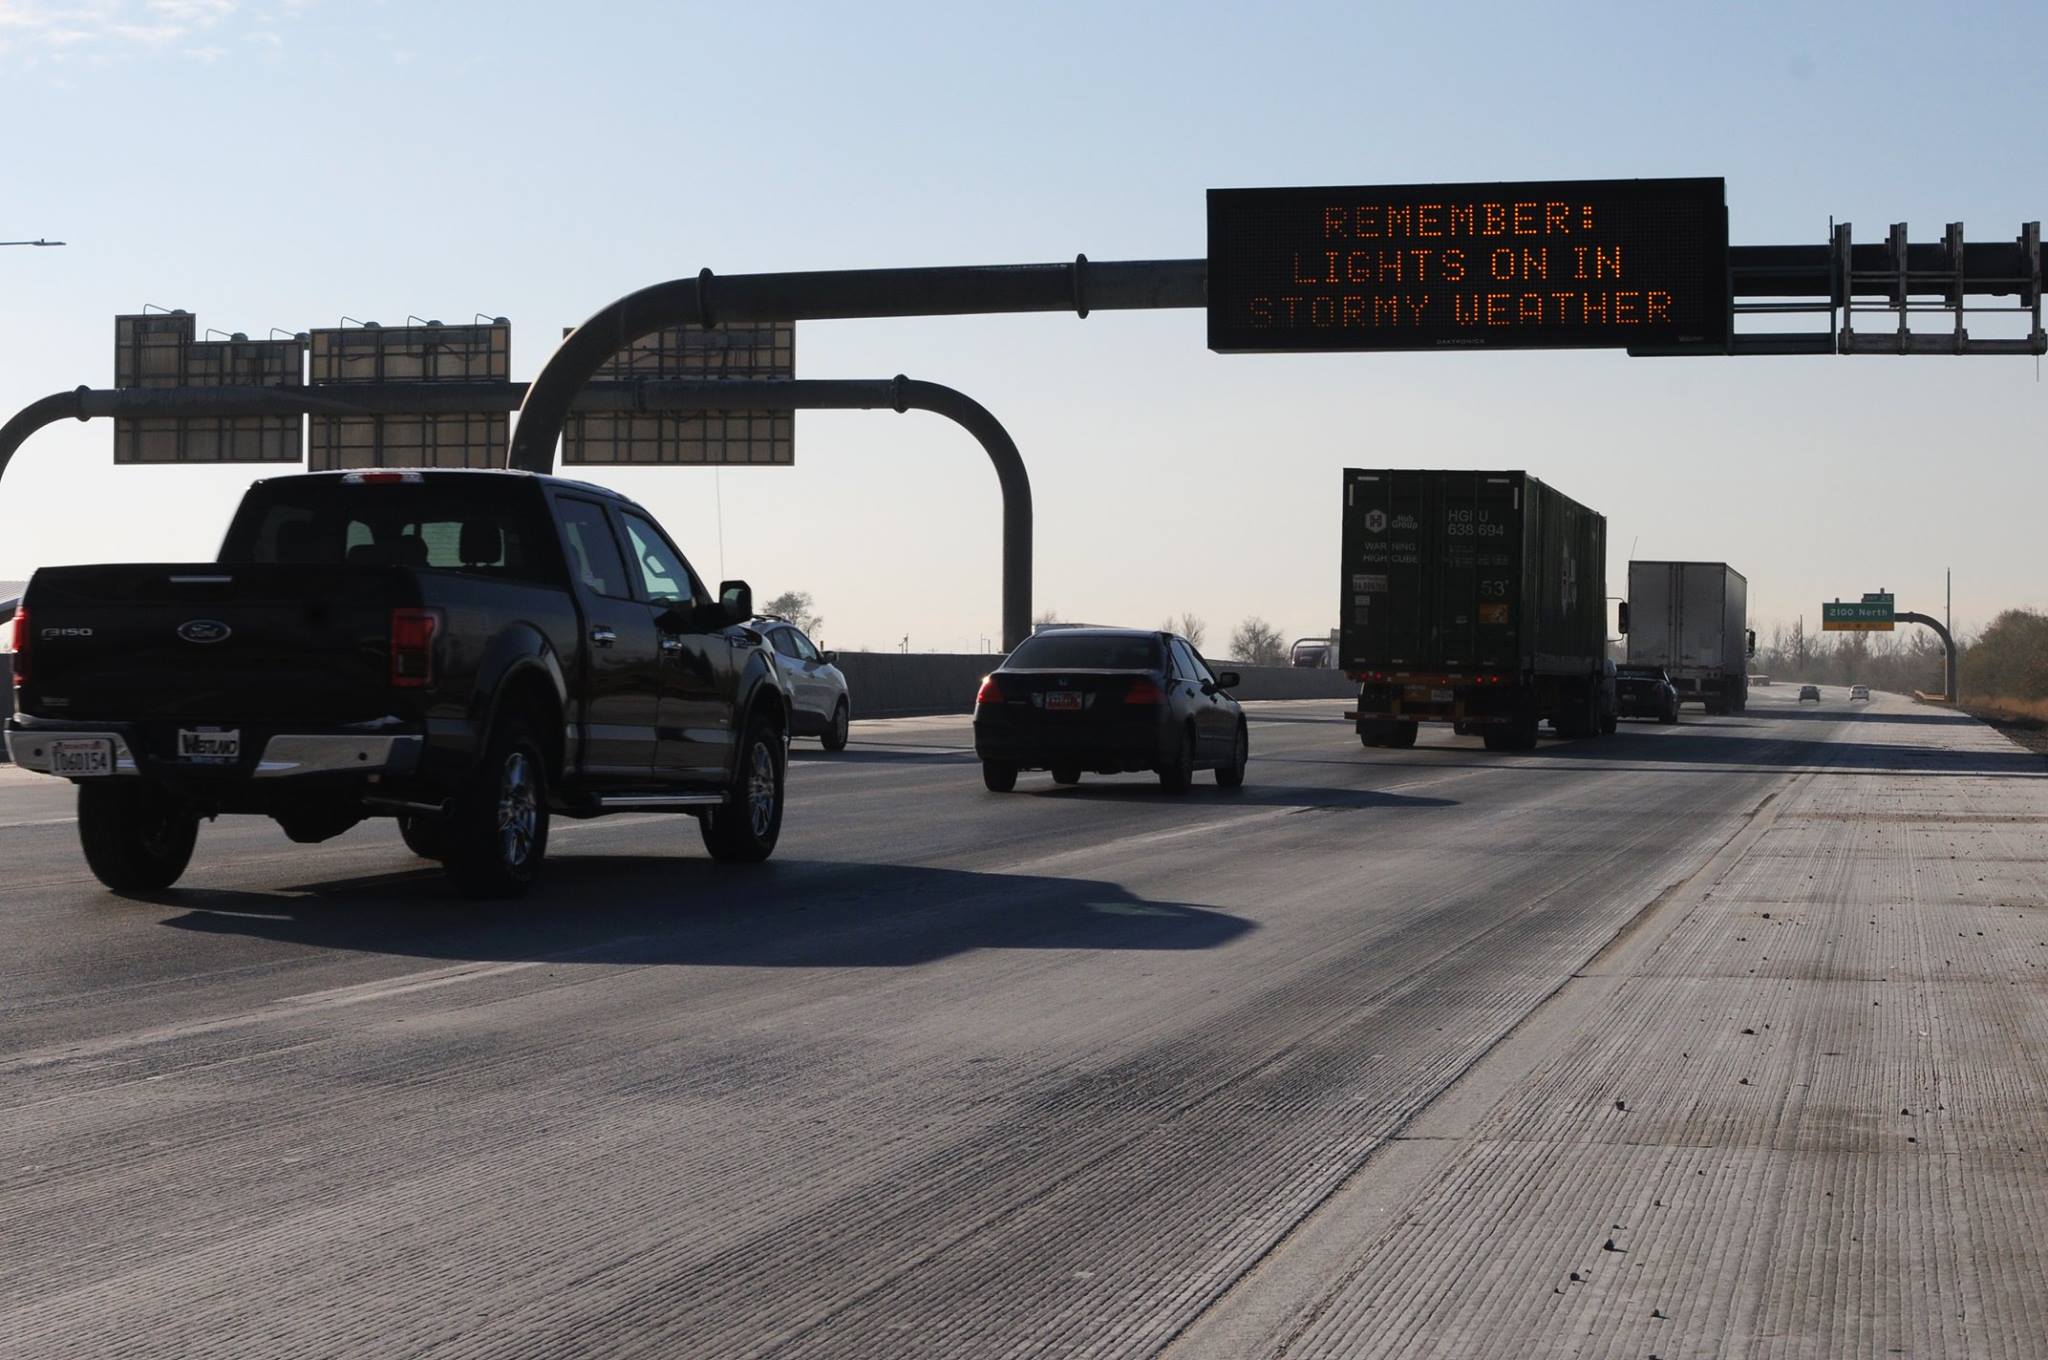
(1692, 619)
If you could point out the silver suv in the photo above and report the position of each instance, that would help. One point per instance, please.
(819, 706)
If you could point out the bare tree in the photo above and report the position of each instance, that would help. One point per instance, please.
(1257, 643)
(1189, 625)
(797, 607)
(1044, 617)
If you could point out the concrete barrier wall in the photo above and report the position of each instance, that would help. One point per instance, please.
(892, 685)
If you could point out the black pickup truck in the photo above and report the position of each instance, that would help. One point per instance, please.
(467, 652)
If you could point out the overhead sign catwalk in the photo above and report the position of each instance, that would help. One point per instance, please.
(1497, 266)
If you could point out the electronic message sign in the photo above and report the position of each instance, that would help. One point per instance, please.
(1623, 262)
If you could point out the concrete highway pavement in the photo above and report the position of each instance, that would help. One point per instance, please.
(1377, 1056)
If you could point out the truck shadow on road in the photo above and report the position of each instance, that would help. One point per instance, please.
(653, 910)
(1720, 745)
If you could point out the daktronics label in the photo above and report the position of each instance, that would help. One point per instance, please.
(1626, 262)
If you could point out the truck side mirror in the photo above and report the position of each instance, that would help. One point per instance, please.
(1624, 618)
(1752, 642)
(737, 598)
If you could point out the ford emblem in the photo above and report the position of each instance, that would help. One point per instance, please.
(203, 630)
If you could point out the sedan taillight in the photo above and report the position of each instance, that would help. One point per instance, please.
(989, 693)
(1144, 691)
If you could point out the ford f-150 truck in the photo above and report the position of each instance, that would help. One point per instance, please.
(468, 652)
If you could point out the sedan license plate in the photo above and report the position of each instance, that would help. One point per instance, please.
(85, 758)
(1440, 696)
(1063, 699)
(209, 745)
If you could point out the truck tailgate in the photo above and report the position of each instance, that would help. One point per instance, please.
(210, 642)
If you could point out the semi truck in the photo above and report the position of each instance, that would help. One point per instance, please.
(1477, 599)
(1692, 619)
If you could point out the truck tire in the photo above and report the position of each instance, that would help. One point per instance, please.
(838, 729)
(1066, 774)
(426, 837)
(1401, 735)
(496, 835)
(744, 828)
(136, 837)
(1178, 774)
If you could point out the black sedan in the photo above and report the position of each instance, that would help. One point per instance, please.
(1108, 701)
(1645, 692)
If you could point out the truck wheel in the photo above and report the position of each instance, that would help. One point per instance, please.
(744, 828)
(1066, 774)
(496, 834)
(998, 776)
(1669, 717)
(136, 837)
(1178, 774)
(1231, 776)
(836, 733)
(1401, 735)
(426, 837)
(1610, 723)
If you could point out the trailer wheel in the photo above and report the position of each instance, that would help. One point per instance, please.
(1401, 735)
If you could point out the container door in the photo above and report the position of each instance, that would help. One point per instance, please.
(1386, 595)
(1699, 637)
(1479, 518)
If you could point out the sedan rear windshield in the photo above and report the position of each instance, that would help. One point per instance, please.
(476, 528)
(1086, 652)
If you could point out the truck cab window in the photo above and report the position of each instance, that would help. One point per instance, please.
(662, 573)
(593, 553)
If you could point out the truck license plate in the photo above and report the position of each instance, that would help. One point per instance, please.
(86, 758)
(1063, 699)
(1440, 696)
(209, 745)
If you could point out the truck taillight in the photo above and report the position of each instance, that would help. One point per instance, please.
(989, 693)
(412, 646)
(18, 644)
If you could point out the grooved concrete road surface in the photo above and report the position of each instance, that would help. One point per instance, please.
(1718, 1040)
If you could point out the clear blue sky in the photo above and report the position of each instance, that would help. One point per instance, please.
(265, 163)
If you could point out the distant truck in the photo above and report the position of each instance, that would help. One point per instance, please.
(1692, 619)
(1476, 599)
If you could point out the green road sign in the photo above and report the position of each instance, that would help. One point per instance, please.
(1884, 598)
(1864, 616)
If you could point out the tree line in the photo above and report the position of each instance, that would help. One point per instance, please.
(2005, 665)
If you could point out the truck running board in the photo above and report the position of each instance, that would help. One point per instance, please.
(655, 802)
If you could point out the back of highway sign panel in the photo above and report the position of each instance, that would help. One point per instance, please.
(748, 350)
(158, 350)
(1470, 266)
(479, 353)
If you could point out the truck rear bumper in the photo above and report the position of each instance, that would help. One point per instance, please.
(277, 755)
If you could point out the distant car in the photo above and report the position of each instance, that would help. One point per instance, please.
(1859, 691)
(820, 705)
(1109, 701)
(1809, 692)
(1646, 692)
(1758, 680)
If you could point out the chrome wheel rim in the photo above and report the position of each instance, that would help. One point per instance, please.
(761, 789)
(518, 811)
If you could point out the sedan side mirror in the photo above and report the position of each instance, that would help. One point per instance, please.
(829, 658)
(737, 599)
(1228, 679)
